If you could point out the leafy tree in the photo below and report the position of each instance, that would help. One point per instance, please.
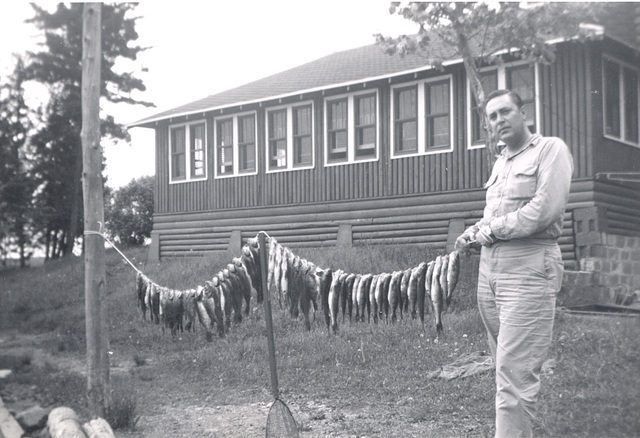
(485, 33)
(58, 144)
(129, 215)
(16, 184)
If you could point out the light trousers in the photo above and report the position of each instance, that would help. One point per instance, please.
(517, 287)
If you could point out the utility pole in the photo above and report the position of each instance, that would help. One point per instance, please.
(98, 387)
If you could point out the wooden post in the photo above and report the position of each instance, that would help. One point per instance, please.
(98, 388)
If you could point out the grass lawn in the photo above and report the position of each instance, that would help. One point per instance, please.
(368, 380)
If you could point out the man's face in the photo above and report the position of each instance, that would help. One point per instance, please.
(506, 120)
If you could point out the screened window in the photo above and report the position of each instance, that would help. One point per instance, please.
(188, 152)
(247, 144)
(621, 102)
(197, 150)
(178, 154)
(406, 119)
(489, 81)
(235, 140)
(351, 128)
(521, 79)
(302, 131)
(290, 131)
(278, 139)
(437, 112)
(337, 130)
(224, 136)
(365, 125)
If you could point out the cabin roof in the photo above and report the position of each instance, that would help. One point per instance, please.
(340, 68)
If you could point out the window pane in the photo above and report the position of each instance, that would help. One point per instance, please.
(365, 110)
(197, 150)
(303, 150)
(278, 154)
(438, 131)
(178, 153)
(489, 81)
(521, 79)
(407, 137)
(302, 120)
(278, 124)
(247, 158)
(612, 98)
(407, 103)
(338, 114)
(631, 105)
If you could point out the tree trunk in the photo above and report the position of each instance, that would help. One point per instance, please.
(98, 387)
(74, 215)
(478, 93)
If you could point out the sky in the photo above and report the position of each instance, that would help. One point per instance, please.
(199, 48)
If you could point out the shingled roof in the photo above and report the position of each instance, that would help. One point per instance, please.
(340, 68)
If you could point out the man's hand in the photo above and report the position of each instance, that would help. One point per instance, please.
(463, 242)
(484, 236)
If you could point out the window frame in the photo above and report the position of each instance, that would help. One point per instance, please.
(502, 83)
(235, 122)
(189, 165)
(290, 165)
(422, 148)
(351, 128)
(622, 103)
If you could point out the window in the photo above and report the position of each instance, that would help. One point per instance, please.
(247, 144)
(519, 77)
(621, 102)
(224, 144)
(302, 136)
(290, 137)
(365, 117)
(278, 139)
(187, 159)
(489, 81)
(406, 122)
(351, 128)
(235, 140)
(437, 113)
(422, 118)
(337, 130)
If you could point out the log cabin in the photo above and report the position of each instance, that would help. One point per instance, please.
(360, 147)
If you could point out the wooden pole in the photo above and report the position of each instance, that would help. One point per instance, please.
(98, 389)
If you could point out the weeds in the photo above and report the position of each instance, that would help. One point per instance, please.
(123, 411)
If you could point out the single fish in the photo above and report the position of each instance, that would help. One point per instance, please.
(436, 294)
(453, 272)
(443, 277)
(394, 294)
(404, 291)
(334, 298)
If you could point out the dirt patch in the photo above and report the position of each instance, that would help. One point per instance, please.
(181, 413)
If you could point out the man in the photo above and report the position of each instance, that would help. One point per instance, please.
(520, 264)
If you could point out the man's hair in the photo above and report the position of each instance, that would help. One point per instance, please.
(515, 97)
